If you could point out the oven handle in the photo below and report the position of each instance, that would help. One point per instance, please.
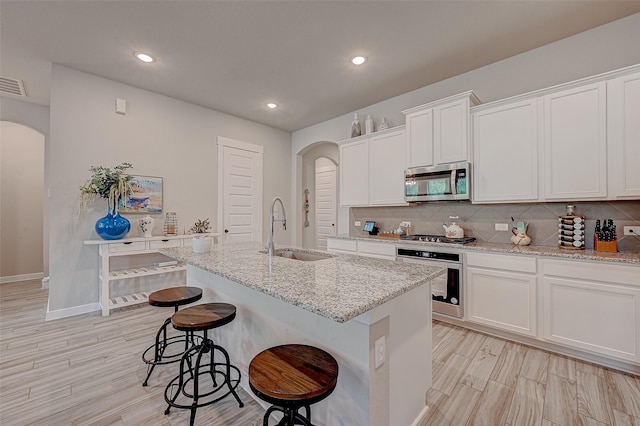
(442, 263)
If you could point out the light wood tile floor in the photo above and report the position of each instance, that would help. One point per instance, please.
(86, 370)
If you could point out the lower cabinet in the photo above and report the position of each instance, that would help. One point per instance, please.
(501, 291)
(375, 249)
(593, 306)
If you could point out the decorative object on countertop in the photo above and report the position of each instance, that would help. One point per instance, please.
(520, 237)
(146, 225)
(201, 226)
(406, 227)
(368, 125)
(383, 124)
(146, 196)
(454, 230)
(306, 207)
(171, 223)
(604, 237)
(571, 232)
(114, 185)
(355, 126)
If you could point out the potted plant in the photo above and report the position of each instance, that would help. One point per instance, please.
(114, 185)
(201, 243)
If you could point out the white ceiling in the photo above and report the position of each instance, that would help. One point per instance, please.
(233, 56)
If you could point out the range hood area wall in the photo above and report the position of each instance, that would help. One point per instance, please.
(479, 220)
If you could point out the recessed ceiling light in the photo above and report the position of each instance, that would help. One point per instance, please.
(144, 57)
(358, 60)
(272, 105)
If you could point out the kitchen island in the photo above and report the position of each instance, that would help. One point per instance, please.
(350, 306)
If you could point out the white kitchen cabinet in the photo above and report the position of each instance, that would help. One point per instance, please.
(354, 173)
(623, 114)
(379, 250)
(386, 168)
(501, 291)
(593, 306)
(439, 132)
(575, 143)
(505, 152)
(339, 245)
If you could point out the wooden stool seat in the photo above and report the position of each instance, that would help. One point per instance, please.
(291, 377)
(175, 296)
(203, 317)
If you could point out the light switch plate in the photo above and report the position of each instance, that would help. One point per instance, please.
(379, 351)
(631, 230)
(357, 223)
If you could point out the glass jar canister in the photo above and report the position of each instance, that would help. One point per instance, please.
(171, 224)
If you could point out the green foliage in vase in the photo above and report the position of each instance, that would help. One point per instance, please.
(112, 184)
(201, 226)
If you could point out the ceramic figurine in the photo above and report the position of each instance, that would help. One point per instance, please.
(146, 225)
(383, 124)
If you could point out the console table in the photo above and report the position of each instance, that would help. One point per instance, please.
(136, 257)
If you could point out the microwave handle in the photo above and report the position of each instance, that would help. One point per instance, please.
(453, 182)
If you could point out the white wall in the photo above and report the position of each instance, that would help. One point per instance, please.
(160, 136)
(599, 50)
(21, 202)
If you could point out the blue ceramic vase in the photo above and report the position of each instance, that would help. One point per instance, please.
(112, 226)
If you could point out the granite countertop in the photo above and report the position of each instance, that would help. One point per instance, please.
(339, 288)
(629, 257)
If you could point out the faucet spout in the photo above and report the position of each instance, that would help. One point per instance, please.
(272, 219)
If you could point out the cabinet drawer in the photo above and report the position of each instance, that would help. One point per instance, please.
(342, 245)
(376, 249)
(590, 271)
(499, 261)
(127, 246)
(157, 244)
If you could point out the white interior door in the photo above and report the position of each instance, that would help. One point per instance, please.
(325, 202)
(239, 190)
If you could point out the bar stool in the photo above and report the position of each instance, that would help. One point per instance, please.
(155, 354)
(184, 391)
(292, 377)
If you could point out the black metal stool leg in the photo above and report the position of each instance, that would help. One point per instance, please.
(228, 374)
(158, 350)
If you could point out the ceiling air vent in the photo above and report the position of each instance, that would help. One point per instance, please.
(11, 86)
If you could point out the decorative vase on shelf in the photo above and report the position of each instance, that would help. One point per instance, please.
(368, 125)
(112, 226)
(146, 225)
(355, 126)
(383, 124)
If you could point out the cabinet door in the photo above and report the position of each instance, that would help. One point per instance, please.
(451, 132)
(505, 152)
(386, 169)
(502, 299)
(354, 173)
(594, 316)
(575, 143)
(377, 250)
(624, 136)
(419, 138)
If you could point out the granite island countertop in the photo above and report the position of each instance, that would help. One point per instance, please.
(339, 288)
(628, 257)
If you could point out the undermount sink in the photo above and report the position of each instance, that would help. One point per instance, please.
(299, 255)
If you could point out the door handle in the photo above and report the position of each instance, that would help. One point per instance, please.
(226, 231)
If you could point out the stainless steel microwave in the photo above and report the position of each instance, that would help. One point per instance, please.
(436, 183)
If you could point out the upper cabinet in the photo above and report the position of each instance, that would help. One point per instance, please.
(505, 151)
(439, 132)
(575, 143)
(372, 169)
(623, 139)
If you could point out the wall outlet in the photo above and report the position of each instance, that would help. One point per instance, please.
(502, 227)
(357, 223)
(632, 230)
(379, 351)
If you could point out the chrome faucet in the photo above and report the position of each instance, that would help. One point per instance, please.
(271, 220)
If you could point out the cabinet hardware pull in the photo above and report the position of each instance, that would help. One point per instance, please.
(128, 242)
(165, 241)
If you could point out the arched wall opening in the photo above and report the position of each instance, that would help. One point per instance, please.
(306, 179)
(22, 251)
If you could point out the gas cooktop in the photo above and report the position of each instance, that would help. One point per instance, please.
(438, 239)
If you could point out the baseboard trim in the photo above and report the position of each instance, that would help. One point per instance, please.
(421, 417)
(23, 277)
(70, 312)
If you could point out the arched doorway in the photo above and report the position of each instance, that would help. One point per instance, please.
(21, 202)
(320, 157)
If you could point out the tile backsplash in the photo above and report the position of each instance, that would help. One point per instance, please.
(478, 220)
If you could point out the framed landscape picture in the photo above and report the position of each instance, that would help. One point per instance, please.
(146, 197)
